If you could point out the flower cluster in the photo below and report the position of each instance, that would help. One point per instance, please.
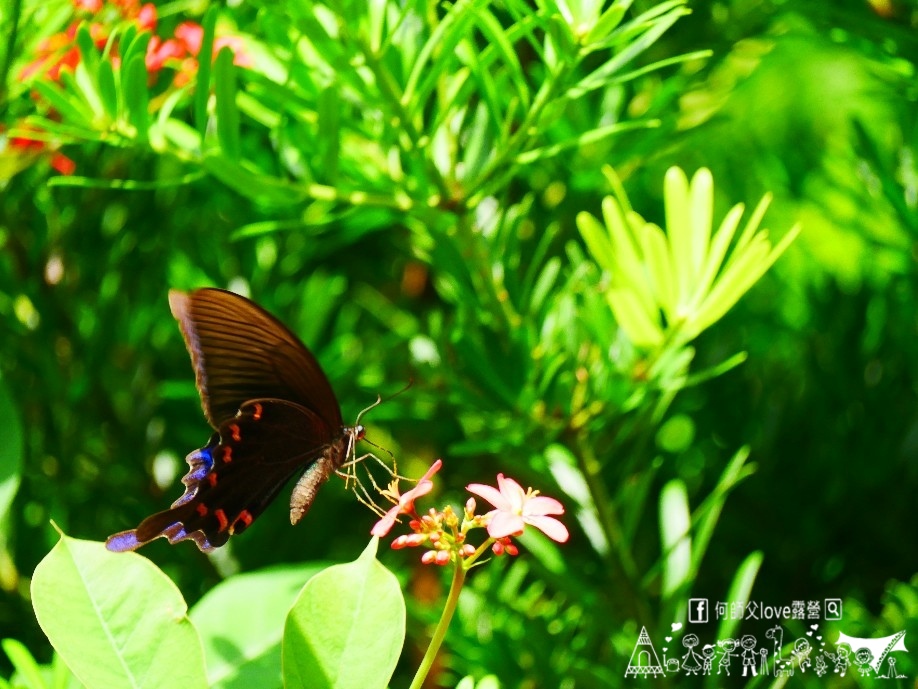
(59, 54)
(445, 534)
(180, 52)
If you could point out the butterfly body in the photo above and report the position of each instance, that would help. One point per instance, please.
(274, 413)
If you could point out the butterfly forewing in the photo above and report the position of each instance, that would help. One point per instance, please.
(241, 352)
(233, 478)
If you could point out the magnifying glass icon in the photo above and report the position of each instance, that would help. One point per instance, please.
(833, 609)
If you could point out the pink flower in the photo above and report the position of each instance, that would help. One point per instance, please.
(405, 503)
(515, 508)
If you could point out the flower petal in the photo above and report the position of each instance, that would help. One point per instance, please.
(542, 505)
(489, 493)
(434, 468)
(550, 526)
(384, 525)
(406, 500)
(513, 492)
(503, 524)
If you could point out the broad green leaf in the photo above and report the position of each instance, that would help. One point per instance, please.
(116, 619)
(241, 622)
(226, 108)
(675, 523)
(347, 628)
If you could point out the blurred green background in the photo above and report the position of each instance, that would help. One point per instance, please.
(814, 102)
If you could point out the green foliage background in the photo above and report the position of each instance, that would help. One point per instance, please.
(813, 102)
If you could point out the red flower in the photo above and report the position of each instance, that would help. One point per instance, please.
(91, 6)
(515, 508)
(146, 18)
(159, 52)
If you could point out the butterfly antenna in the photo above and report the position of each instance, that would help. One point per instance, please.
(380, 399)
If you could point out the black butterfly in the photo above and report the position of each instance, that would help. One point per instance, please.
(274, 412)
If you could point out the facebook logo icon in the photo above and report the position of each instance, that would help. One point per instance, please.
(698, 610)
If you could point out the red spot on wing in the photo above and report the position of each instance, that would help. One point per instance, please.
(257, 413)
(234, 430)
(202, 508)
(221, 517)
(227, 454)
(212, 478)
(245, 517)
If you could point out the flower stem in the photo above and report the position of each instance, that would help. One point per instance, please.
(440, 632)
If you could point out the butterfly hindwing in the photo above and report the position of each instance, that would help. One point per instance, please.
(233, 478)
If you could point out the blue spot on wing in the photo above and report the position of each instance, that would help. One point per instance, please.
(200, 463)
(123, 541)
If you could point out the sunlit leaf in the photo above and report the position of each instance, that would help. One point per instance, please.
(115, 618)
(347, 627)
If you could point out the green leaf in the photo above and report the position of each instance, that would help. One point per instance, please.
(108, 92)
(329, 113)
(585, 139)
(116, 619)
(437, 51)
(227, 110)
(89, 56)
(709, 511)
(26, 667)
(702, 210)
(251, 184)
(70, 108)
(641, 327)
(241, 622)
(607, 22)
(597, 240)
(740, 588)
(202, 94)
(675, 523)
(136, 96)
(679, 229)
(347, 628)
(659, 267)
(11, 451)
(607, 72)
